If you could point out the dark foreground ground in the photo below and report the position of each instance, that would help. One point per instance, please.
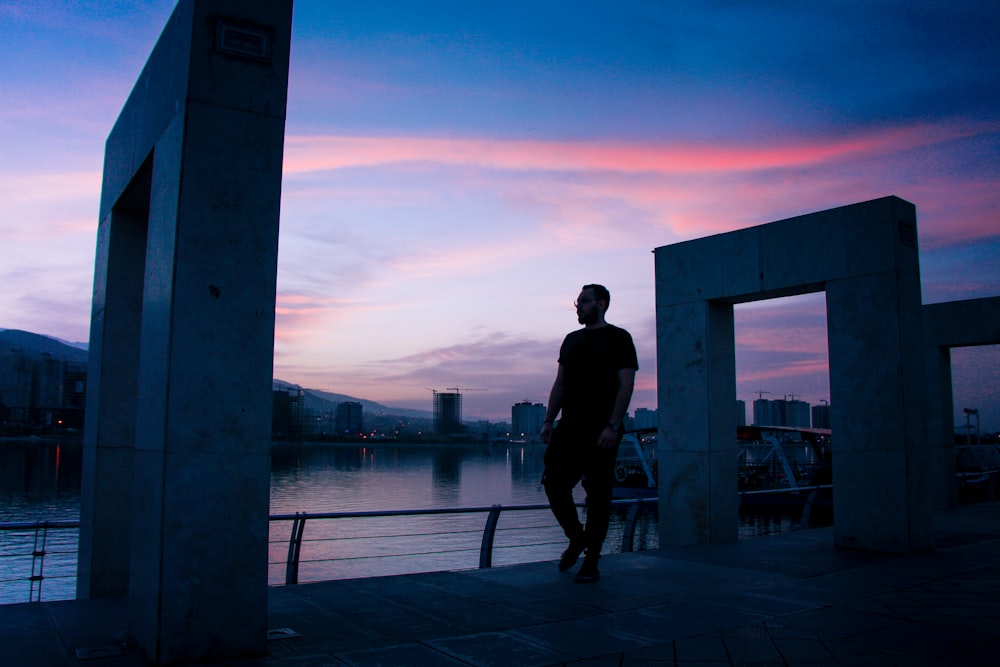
(788, 599)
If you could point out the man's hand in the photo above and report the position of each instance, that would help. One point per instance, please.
(608, 438)
(546, 432)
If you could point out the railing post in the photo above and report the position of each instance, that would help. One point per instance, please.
(486, 550)
(628, 533)
(807, 508)
(294, 549)
(38, 556)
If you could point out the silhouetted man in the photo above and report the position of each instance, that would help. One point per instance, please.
(593, 387)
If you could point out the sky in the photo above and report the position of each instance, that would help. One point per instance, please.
(455, 171)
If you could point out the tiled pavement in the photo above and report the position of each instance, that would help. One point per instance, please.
(789, 599)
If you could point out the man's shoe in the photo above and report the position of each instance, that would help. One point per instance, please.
(588, 573)
(571, 555)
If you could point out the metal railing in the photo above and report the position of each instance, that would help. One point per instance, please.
(34, 541)
(810, 493)
(487, 540)
(37, 534)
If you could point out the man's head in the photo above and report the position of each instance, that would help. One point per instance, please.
(591, 305)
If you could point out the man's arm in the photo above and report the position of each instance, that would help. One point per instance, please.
(626, 383)
(555, 404)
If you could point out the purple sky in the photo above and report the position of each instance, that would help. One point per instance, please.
(455, 171)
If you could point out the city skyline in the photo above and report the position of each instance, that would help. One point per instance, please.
(453, 174)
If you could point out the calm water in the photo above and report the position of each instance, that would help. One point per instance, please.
(40, 480)
(388, 477)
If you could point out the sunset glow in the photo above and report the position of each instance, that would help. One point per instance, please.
(454, 173)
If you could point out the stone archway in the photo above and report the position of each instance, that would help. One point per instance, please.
(968, 323)
(865, 258)
(175, 491)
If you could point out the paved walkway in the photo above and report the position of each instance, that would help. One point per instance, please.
(790, 599)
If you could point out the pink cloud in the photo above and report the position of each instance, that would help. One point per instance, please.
(315, 153)
(52, 186)
(300, 315)
(440, 259)
(788, 369)
(686, 190)
(956, 210)
(791, 340)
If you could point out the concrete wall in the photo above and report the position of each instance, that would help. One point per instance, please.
(966, 323)
(177, 449)
(865, 257)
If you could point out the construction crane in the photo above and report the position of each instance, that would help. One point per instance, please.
(760, 394)
(455, 389)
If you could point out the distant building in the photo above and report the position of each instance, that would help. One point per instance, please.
(526, 419)
(781, 412)
(74, 396)
(644, 418)
(481, 428)
(741, 413)
(41, 391)
(821, 416)
(765, 413)
(288, 412)
(447, 412)
(350, 417)
(797, 414)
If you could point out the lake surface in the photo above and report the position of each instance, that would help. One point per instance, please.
(40, 480)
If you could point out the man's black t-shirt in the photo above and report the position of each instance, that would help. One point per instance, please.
(591, 359)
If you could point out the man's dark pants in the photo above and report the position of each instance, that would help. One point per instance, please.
(573, 456)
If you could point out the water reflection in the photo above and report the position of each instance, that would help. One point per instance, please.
(388, 477)
(39, 480)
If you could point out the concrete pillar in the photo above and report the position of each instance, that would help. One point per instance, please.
(883, 486)
(865, 257)
(106, 485)
(940, 424)
(192, 185)
(697, 473)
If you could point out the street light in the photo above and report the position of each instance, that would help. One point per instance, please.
(968, 426)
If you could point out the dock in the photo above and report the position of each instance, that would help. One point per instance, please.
(786, 599)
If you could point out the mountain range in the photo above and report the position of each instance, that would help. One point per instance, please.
(35, 345)
(318, 401)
